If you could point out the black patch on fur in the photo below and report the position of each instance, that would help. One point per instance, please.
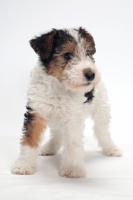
(61, 37)
(28, 117)
(29, 108)
(89, 96)
(42, 45)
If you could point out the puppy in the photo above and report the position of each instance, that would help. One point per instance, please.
(65, 88)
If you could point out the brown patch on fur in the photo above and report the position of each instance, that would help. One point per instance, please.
(33, 130)
(56, 69)
(68, 47)
(59, 63)
(89, 41)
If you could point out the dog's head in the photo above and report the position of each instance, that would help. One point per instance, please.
(68, 55)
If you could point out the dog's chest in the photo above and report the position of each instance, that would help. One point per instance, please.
(50, 98)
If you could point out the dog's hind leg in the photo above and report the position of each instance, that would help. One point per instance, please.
(53, 145)
(34, 126)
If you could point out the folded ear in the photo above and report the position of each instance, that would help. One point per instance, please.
(43, 45)
(89, 39)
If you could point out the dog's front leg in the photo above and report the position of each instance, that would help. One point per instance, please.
(72, 165)
(101, 117)
(34, 125)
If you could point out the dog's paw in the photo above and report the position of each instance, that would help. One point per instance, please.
(73, 172)
(23, 169)
(114, 152)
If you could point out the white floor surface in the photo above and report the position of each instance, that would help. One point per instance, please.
(108, 178)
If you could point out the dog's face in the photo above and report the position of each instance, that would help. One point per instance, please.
(68, 56)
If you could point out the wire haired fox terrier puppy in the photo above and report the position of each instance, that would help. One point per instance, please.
(65, 88)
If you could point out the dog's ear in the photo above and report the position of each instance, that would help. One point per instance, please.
(43, 45)
(89, 39)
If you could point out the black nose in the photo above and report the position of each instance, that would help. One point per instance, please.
(90, 76)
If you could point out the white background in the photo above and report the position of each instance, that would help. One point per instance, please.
(111, 24)
(109, 21)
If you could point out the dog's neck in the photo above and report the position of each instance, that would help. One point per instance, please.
(60, 89)
(55, 88)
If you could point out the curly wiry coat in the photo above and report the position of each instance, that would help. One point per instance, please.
(65, 88)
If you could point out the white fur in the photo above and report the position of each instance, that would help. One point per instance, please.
(65, 111)
(26, 162)
(53, 145)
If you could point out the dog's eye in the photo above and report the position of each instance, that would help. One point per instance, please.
(67, 56)
(87, 53)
